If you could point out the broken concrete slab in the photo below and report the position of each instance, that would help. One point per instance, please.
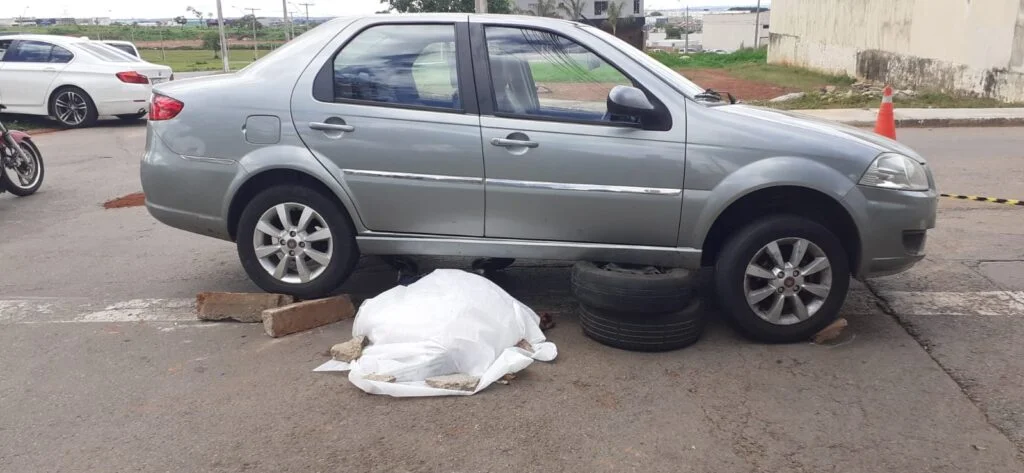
(384, 378)
(525, 345)
(457, 382)
(350, 350)
(306, 315)
(239, 306)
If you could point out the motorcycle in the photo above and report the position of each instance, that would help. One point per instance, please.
(21, 163)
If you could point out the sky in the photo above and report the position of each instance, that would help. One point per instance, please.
(232, 8)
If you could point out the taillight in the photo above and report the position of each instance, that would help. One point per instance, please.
(132, 77)
(163, 107)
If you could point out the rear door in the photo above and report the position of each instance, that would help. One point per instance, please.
(29, 67)
(392, 109)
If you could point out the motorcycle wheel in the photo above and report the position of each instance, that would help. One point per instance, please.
(9, 177)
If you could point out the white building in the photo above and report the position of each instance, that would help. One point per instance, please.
(7, 21)
(735, 30)
(951, 45)
(594, 10)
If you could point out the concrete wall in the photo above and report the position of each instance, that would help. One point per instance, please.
(732, 31)
(974, 46)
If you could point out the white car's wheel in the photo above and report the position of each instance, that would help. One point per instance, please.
(73, 108)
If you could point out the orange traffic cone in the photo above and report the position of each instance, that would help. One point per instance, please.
(886, 123)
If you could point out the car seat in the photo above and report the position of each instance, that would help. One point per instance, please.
(514, 88)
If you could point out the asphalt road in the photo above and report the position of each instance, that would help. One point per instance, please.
(103, 369)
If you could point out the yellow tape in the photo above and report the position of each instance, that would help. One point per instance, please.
(977, 198)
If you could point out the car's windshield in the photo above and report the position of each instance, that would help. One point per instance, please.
(104, 52)
(666, 73)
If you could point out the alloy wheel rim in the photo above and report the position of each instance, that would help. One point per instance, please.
(293, 243)
(787, 281)
(23, 175)
(71, 108)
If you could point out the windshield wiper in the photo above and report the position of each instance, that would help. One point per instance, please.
(710, 94)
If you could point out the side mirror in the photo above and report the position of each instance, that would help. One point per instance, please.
(629, 101)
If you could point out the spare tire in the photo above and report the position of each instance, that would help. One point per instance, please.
(601, 286)
(644, 332)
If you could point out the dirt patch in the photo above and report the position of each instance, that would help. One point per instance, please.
(743, 89)
(137, 199)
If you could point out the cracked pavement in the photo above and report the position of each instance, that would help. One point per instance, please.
(937, 384)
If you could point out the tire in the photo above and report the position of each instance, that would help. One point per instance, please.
(732, 282)
(88, 118)
(634, 293)
(324, 278)
(644, 332)
(131, 116)
(5, 183)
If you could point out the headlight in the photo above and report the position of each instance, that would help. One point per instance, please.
(895, 171)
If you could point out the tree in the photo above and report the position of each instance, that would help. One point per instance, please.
(248, 23)
(198, 14)
(181, 20)
(211, 40)
(673, 32)
(573, 8)
(545, 8)
(614, 13)
(657, 13)
(460, 6)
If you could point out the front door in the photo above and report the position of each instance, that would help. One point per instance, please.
(393, 111)
(29, 67)
(559, 166)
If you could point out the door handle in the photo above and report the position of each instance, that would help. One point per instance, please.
(507, 143)
(331, 126)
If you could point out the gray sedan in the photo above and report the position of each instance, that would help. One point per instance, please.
(525, 137)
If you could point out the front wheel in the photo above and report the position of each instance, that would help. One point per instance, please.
(782, 279)
(294, 240)
(22, 175)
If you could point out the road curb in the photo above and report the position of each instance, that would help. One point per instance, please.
(943, 122)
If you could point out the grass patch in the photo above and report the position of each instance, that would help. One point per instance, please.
(199, 60)
(27, 122)
(712, 60)
(787, 76)
(550, 72)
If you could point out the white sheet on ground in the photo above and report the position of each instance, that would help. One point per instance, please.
(450, 321)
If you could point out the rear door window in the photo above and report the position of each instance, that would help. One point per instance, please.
(404, 65)
(37, 51)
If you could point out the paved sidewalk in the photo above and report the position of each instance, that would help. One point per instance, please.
(926, 117)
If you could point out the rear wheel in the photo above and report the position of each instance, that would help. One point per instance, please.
(73, 108)
(782, 279)
(294, 240)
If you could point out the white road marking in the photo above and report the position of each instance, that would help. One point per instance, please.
(986, 303)
(57, 310)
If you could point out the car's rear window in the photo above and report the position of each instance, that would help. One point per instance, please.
(105, 52)
(123, 47)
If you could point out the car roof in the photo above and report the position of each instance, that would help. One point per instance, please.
(52, 38)
(534, 20)
(117, 41)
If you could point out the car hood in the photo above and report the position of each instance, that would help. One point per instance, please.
(813, 128)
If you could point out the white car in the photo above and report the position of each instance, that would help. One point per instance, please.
(74, 80)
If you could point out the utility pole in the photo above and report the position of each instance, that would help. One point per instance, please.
(307, 5)
(686, 28)
(223, 38)
(255, 43)
(291, 22)
(757, 24)
(481, 6)
(287, 22)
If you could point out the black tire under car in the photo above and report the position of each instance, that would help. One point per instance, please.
(600, 288)
(344, 258)
(644, 332)
(732, 267)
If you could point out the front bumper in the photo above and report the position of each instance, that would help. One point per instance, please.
(893, 228)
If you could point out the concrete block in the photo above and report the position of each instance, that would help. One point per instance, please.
(457, 382)
(384, 378)
(306, 315)
(350, 350)
(243, 307)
